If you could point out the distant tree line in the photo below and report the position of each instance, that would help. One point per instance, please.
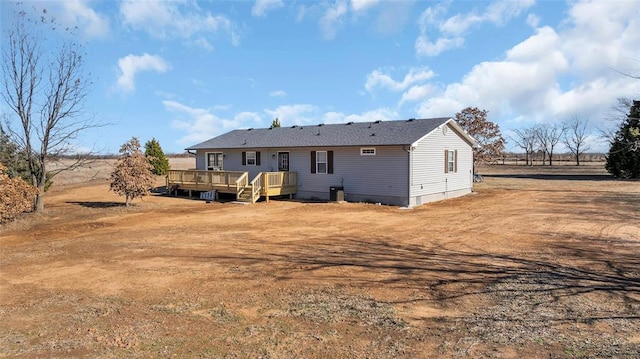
(544, 139)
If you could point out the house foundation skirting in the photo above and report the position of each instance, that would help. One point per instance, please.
(352, 197)
(432, 197)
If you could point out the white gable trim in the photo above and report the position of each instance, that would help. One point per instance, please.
(451, 123)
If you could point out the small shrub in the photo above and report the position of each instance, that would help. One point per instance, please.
(17, 196)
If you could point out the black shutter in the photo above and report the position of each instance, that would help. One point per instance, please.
(329, 161)
(244, 158)
(258, 158)
(446, 161)
(313, 161)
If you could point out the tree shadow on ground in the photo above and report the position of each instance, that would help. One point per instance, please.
(575, 266)
(562, 177)
(96, 204)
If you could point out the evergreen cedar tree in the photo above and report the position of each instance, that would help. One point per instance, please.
(623, 159)
(486, 133)
(156, 156)
(16, 196)
(16, 162)
(275, 123)
(132, 176)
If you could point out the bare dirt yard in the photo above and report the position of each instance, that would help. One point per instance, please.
(537, 263)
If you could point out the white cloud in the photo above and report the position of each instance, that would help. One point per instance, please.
(92, 24)
(497, 13)
(298, 114)
(389, 17)
(130, 65)
(449, 33)
(440, 107)
(201, 124)
(502, 11)
(424, 47)
(381, 114)
(554, 74)
(363, 5)
(417, 93)
(533, 20)
(603, 35)
(414, 84)
(76, 16)
(431, 18)
(332, 19)
(379, 79)
(278, 93)
(261, 7)
(177, 19)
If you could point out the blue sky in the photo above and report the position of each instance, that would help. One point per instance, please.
(186, 71)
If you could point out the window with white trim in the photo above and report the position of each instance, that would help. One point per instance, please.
(214, 161)
(450, 161)
(251, 158)
(321, 161)
(368, 151)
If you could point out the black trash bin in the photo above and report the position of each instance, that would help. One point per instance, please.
(336, 194)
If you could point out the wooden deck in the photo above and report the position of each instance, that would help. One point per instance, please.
(265, 184)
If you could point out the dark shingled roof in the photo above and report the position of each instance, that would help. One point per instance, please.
(403, 132)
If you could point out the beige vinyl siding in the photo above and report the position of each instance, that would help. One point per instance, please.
(379, 178)
(429, 181)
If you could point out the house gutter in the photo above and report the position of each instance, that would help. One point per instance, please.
(409, 151)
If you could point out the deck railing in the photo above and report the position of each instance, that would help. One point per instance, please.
(241, 183)
(264, 184)
(256, 187)
(230, 179)
(280, 179)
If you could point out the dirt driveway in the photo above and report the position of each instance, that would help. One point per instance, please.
(536, 263)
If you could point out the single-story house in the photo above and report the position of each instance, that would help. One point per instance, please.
(404, 163)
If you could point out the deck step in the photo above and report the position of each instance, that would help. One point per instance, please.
(245, 196)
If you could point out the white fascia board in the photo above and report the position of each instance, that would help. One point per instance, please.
(452, 123)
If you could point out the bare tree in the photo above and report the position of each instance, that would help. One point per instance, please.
(615, 119)
(132, 175)
(46, 91)
(527, 140)
(548, 137)
(575, 137)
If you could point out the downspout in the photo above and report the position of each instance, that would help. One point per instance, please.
(410, 177)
